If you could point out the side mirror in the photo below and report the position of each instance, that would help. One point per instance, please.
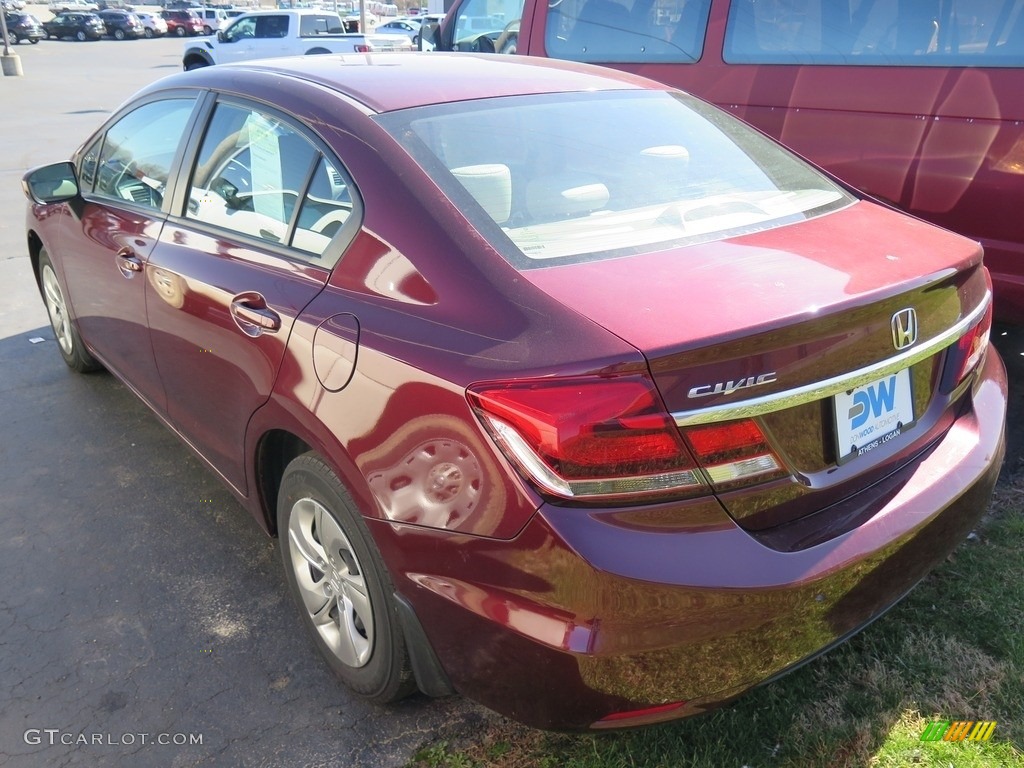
(51, 183)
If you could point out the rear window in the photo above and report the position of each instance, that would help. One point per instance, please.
(876, 32)
(574, 177)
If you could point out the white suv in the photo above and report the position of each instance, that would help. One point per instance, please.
(59, 6)
(213, 19)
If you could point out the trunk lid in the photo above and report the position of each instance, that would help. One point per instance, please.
(774, 315)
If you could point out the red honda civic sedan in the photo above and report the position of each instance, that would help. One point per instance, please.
(560, 389)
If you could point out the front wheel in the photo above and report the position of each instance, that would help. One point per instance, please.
(340, 583)
(80, 36)
(207, 30)
(12, 39)
(119, 34)
(180, 31)
(69, 342)
(148, 33)
(33, 40)
(195, 65)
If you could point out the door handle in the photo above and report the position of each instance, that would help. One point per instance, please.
(128, 264)
(252, 315)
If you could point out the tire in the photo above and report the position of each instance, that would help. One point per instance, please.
(34, 40)
(12, 39)
(148, 33)
(335, 573)
(207, 30)
(195, 65)
(180, 31)
(69, 342)
(119, 34)
(80, 36)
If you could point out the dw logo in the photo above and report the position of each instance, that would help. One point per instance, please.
(873, 401)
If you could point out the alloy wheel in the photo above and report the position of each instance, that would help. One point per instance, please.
(57, 309)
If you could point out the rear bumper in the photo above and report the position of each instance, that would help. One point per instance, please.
(589, 613)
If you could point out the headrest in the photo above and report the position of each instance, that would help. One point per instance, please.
(563, 195)
(491, 185)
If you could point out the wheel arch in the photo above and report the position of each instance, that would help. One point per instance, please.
(275, 450)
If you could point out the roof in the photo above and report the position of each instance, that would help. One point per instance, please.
(384, 82)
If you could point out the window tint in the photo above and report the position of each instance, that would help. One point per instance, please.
(137, 151)
(627, 30)
(271, 26)
(876, 32)
(258, 177)
(478, 28)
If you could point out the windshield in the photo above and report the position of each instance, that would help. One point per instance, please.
(596, 175)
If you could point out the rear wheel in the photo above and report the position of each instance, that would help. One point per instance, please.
(119, 34)
(33, 40)
(80, 36)
(12, 39)
(340, 583)
(69, 342)
(207, 30)
(180, 31)
(148, 33)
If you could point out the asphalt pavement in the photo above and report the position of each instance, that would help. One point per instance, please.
(144, 618)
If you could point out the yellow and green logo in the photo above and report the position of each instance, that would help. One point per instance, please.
(959, 730)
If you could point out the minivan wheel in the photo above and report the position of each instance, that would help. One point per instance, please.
(80, 36)
(340, 583)
(119, 34)
(69, 342)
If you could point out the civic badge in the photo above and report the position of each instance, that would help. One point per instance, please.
(904, 328)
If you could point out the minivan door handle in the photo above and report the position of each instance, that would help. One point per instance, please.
(252, 315)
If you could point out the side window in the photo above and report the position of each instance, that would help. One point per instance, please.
(88, 165)
(627, 30)
(485, 25)
(258, 177)
(876, 32)
(269, 27)
(137, 151)
(241, 29)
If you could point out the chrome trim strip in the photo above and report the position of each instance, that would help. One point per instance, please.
(758, 406)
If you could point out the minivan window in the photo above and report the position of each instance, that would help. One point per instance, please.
(876, 32)
(611, 174)
(627, 30)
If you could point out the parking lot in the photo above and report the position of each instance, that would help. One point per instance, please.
(139, 603)
(143, 615)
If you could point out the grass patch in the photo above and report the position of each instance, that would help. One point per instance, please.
(953, 650)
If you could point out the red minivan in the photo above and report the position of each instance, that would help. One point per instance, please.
(916, 102)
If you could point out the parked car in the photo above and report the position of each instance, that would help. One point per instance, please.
(121, 24)
(12, 5)
(567, 391)
(62, 6)
(292, 32)
(408, 27)
(916, 103)
(153, 26)
(109, 5)
(182, 22)
(23, 26)
(212, 18)
(81, 26)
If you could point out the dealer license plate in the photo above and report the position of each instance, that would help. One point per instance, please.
(873, 414)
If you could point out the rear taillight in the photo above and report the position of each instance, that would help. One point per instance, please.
(734, 453)
(972, 346)
(612, 438)
(589, 437)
